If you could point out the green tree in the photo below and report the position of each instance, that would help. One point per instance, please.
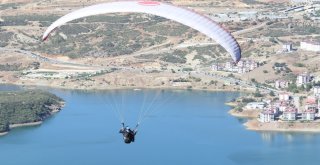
(257, 93)
(25, 107)
(308, 87)
(213, 82)
(271, 93)
(293, 88)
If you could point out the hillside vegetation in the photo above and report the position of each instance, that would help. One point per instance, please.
(25, 107)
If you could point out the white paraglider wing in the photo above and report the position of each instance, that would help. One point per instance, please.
(184, 16)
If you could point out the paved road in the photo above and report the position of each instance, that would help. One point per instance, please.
(42, 58)
(235, 81)
(249, 29)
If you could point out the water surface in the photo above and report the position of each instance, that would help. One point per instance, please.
(182, 127)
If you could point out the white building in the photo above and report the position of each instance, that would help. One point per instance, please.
(303, 79)
(310, 46)
(308, 115)
(266, 116)
(229, 66)
(216, 67)
(241, 63)
(242, 70)
(283, 106)
(290, 114)
(279, 84)
(255, 105)
(251, 64)
(309, 112)
(287, 47)
(284, 96)
(310, 107)
(243, 66)
(316, 91)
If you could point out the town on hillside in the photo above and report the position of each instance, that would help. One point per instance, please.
(281, 106)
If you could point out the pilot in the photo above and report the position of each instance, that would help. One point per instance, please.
(128, 134)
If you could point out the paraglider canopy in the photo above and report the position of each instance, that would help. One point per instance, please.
(184, 16)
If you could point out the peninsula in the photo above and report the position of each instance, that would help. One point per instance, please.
(26, 108)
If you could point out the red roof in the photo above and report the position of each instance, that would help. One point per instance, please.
(290, 110)
(310, 111)
(311, 100)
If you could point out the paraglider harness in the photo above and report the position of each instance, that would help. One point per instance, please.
(128, 134)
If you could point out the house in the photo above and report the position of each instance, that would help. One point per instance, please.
(228, 66)
(216, 67)
(241, 64)
(279, 68)
(233, 69)
(279, 84)
(251, 65)
(255, 105)
(243, 70)
(284, 96)
(311, 107)
(287, 47)
(290, 114)
(311, 100)
(316, 91)
(254, 65)
(303, 79)
(282, 106)
(309, 112)
(266, 116)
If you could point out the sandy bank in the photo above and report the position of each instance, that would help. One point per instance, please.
(3, 133)
(231, 104)
(244, 113)
(101, 88)
(11, 126)
(279, 126)
(25, 124)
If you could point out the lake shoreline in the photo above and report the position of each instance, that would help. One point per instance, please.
(54, 109)
(3, 133)
(255, 125)
(131, 88)
(11, 126)
(277, 126)
(249, 114)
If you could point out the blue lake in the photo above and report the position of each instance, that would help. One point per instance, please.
(179, 127)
